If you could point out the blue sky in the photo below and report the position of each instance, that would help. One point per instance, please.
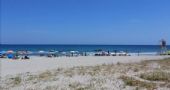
(84, 21)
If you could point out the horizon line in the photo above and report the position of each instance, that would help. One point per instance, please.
(82, 44)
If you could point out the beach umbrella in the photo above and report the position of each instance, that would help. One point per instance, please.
(10, 56)
(56, 51)
(41, 51)
(2, 52)
(51, 52)
(10, 51)
(72, 51)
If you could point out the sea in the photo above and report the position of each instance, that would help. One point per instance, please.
(84, 48)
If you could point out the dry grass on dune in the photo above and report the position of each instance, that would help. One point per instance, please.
(130, 81)
(156, 76)
(150, 75)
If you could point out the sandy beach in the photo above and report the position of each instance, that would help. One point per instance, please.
(35, 64)
(87, 73)
(85, 45)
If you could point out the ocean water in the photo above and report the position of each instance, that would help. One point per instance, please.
(83, 48)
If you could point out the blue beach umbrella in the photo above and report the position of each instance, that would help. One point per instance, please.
(10, 54)
(2, 52)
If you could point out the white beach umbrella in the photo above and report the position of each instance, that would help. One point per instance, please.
(41, 51)
(73, 51)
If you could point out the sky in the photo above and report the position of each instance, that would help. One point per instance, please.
(85, 22)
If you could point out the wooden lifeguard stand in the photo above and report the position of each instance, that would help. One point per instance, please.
(163, 47)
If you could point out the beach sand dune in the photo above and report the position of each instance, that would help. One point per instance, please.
(36, 64)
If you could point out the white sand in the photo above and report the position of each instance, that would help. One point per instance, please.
(35, 64)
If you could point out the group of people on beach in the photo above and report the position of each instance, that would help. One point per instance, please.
(52, 53)
(14, 55)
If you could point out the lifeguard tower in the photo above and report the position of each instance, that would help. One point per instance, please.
(163, 47)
